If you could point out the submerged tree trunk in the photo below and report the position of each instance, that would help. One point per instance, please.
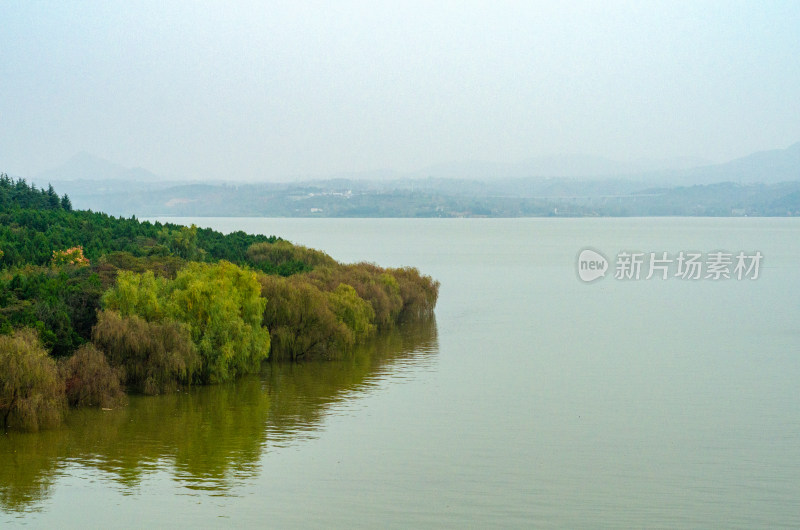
(8, 411)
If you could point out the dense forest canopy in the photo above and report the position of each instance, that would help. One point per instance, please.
(92, 304)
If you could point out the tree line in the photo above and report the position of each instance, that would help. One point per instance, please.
(92, 305)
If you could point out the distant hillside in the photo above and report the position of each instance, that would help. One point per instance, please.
(450, 198)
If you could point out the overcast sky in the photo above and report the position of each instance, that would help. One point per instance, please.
(279, 90)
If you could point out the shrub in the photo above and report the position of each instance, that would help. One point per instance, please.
(61, 304)
(165, 266)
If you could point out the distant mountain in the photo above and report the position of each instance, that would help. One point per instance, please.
(765, 167)
(779, 165)
(559, 166)
(84, 166)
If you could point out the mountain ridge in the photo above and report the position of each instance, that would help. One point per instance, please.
(85, 166)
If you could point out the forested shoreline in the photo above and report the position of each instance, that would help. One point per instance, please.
(93, 306)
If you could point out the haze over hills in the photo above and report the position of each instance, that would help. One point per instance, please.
(559, 166)
(772, 166)
(559, 185)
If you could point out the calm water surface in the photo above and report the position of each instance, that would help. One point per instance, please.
(532, 400)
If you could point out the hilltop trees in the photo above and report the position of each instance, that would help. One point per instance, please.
(35, 223)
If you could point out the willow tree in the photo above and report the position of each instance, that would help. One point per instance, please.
(155, 357)
(300, 320)
(220, 303)
(31, 390)
(419, 293)
(90, 381)
(372, 283)
(352, 310)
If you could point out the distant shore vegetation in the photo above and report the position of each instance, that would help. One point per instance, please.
(93, 306)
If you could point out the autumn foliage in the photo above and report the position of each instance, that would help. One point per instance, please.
(70, 256)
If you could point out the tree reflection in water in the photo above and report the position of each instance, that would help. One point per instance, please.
(210, 438)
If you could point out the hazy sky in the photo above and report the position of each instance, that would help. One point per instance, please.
(274, 90)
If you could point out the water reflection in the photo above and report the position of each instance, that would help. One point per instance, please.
(210, 438)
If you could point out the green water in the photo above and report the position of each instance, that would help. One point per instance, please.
(533, 400)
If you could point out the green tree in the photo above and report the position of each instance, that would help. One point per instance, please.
(281, 252)
(143, 295)
(183, 242)
(220, 303)
(372, 283)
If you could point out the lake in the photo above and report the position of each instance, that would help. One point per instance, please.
(534, 399)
